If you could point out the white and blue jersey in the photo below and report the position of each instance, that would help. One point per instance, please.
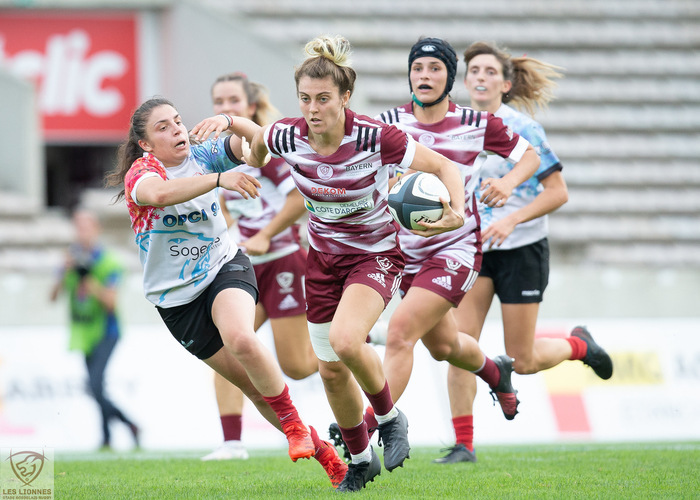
(496, 167)
(183, 246)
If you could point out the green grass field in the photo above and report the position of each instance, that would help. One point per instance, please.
(650, 470)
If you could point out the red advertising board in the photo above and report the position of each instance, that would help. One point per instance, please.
(84, 67)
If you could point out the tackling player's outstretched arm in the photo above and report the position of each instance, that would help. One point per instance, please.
(256, 153)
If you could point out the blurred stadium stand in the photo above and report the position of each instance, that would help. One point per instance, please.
(626, 122)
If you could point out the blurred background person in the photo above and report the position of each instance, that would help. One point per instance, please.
(91, 277)
(266, 227)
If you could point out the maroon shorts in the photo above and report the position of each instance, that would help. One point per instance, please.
(445, 277)
(328, 275)
(281, 285)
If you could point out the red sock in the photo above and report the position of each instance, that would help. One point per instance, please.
(356, 438)
(314, 437)
(381, 402)
(579, 348)
(490, 373)
(283, 407)
(371, 421)
(464, 430)
(232, 427)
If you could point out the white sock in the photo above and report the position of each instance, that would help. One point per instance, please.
(382, 419)
(365, 456)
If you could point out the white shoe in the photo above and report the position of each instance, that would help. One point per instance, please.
(377, 335)
(229, 450)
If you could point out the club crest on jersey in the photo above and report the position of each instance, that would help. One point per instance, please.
(383, 264)
(324, 171)
(285, 280)
(427, 139)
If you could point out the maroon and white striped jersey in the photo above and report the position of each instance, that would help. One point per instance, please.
(460, 136)
(345, 192)
(254, 214)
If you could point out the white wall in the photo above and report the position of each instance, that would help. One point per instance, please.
(21, 162)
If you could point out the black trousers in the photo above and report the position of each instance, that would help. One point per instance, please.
(96, 363)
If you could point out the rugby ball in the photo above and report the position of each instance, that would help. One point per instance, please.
(416, 198)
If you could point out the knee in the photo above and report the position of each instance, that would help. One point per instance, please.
(296, 372)
(397, 338)
(239, 342)
(333, 377)
(440, 351)
(345, 346)
(524, 365)
(299, 365)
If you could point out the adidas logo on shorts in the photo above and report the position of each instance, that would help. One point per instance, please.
(443, 281)
(288, 302)
(378, 277)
